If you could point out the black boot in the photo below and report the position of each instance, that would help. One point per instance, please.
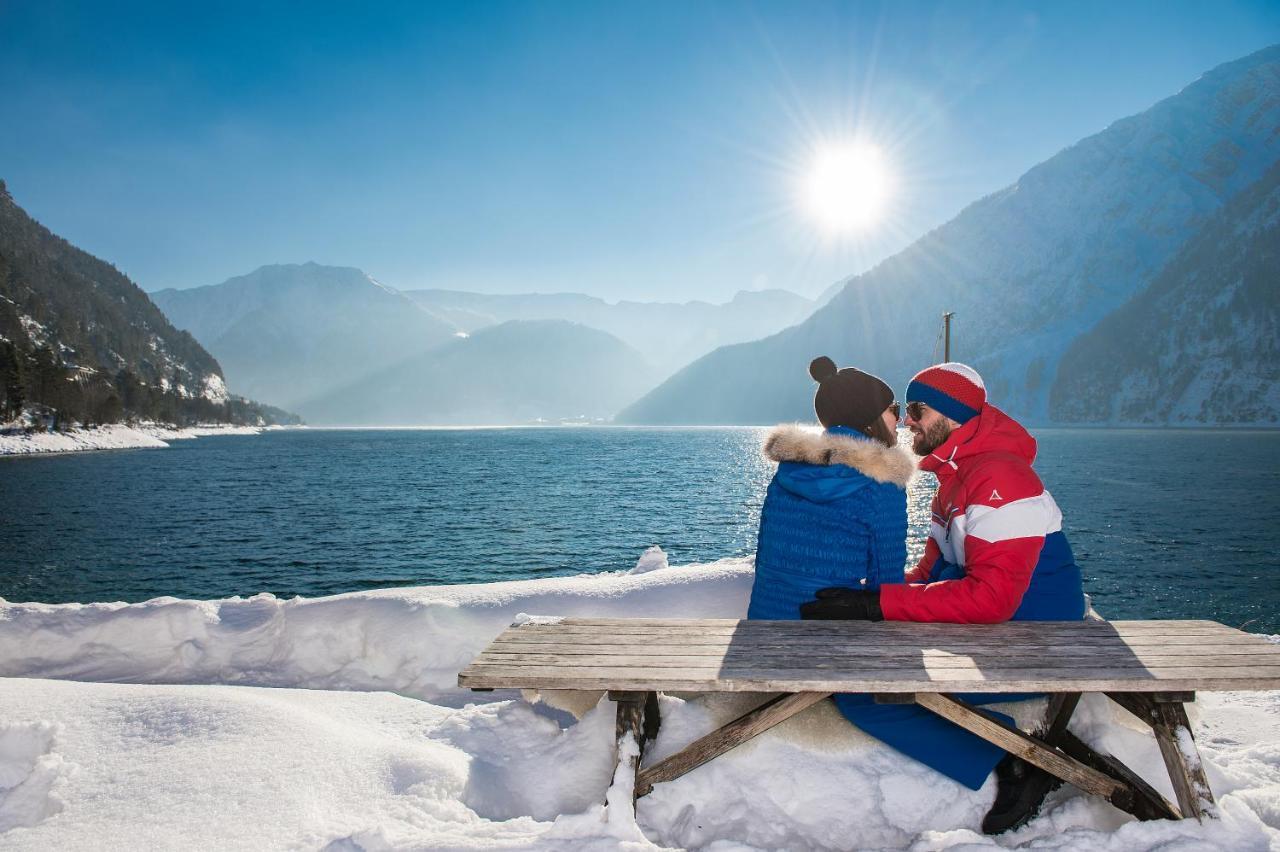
(1020, 791)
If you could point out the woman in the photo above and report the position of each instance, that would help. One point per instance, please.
(835, 513)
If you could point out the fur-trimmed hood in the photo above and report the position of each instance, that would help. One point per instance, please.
(795, 443)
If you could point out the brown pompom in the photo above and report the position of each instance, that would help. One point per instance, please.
(822, 368)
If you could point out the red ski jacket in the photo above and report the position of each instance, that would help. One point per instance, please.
(991, 517)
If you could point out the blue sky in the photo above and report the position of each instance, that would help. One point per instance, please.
(648, 150)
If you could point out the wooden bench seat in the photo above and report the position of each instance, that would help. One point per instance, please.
(1148, 667)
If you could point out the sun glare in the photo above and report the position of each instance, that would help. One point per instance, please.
(847, 187)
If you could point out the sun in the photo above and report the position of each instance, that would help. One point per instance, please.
(848, 186)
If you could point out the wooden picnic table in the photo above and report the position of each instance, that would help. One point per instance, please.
(1150, 668)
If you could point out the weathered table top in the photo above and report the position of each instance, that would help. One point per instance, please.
(726, 655)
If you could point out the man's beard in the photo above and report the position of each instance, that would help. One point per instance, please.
(930, 439)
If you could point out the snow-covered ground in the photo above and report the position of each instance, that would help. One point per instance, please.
(114, 437)
(334, 723)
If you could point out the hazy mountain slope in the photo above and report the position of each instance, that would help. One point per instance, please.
(668, 334)
(1202, 343)
(516, 372)
(289, 333)
(78, 336)
(1027, 269)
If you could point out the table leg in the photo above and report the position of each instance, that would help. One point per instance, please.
(1145, 802)
(1168, 720)
(630, 730)
(1058, 715)
(774, 711)
(1022, 744)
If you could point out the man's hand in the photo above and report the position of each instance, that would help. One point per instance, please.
(841, 602)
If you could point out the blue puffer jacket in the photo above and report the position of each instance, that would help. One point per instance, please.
(834, 515)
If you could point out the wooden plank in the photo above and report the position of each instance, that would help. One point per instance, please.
(807, 680)
(1135, 705)
(745, 727)
(838, 667)
(1144, 801)
(1173, 697)
(759, 656)
(1229, 644)
(836, 660)
(1048, 648)
(700, 623)
(1021, 744)
(886, 632)
(774, 640)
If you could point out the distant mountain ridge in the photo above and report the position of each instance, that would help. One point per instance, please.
(668, 334)
(1027, 270)
(306, 335)
(518, 372)
(290, 333)
(80, 338)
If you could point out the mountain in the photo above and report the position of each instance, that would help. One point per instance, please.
(80, 338)
(668, 334)
(293, 333)
(515, 372)
(1202, 343)
(1027, 270)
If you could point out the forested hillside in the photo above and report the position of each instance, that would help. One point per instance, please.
(80, 342)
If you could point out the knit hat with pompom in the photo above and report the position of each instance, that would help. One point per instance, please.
(847, 397)
(952, 388)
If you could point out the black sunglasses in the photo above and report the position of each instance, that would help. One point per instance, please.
(896, 408)
(915, 410)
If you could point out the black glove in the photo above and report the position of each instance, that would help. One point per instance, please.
(840, 602)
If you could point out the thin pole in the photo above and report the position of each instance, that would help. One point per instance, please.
(946, 325)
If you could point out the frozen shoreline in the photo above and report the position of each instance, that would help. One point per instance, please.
(363, 742)
(113, 437)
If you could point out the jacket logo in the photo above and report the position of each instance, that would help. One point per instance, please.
(995, 495)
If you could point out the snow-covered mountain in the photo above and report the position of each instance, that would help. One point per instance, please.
(1027, 270)
(1202, 343)
(515, 372)
(291, 333)
(668, 334)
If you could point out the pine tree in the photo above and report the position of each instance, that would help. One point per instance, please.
(12, 391)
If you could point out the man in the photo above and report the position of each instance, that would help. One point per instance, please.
(996, 551)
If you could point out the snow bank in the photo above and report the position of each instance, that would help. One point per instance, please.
(241, 767)
(410, 641)
(115, 437)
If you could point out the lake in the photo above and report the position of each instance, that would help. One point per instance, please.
(1165, 523)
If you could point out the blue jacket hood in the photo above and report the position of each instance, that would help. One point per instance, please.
(833, 464)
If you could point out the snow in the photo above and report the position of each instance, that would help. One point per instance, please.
(215, 389)
(113, 437)
(37, 333)
(653, 559)
(363, 742)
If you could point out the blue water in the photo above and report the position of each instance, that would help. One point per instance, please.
(1164, 523)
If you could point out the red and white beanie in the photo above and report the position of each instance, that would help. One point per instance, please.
(952, 388)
